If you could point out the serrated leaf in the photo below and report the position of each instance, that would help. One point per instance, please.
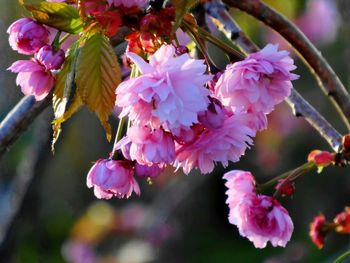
(58, 15)
(97, 77)
(65, 101)
(182, 8)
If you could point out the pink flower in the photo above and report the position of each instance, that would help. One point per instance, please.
(112, 178)
(33, 78)
(50, 58)
(227, 143)
(316, 11)
(170, 90)
(128, 3)
(257, 83)
(148, 146)
(260, 218)
(239, 184)
(27, 36)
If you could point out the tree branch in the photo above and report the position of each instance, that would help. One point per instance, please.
(301, 108)
(18, 120)
(217, 10)
(324, 74)
(298, 104)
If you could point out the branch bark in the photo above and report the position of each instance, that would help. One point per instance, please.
(299, 105)
(323, 72)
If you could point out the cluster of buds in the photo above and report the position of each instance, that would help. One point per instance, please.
(35, 76)
(153, 30)
(319, 228)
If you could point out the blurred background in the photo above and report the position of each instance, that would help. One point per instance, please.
(47, 214)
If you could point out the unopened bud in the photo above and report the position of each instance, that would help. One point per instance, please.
(180, 50)
(285, 187)
(320, 158)
(346, 141)
(318, 230)
(342, 221)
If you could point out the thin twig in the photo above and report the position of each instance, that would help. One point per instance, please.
(324, 74)
(298, 104)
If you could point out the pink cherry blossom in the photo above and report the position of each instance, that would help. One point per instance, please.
(257, 83)
(128, 3)
(27, 36)
(50, 58)
(148, 146)
(316, 11)
(239, 184)
(260, 218)
(112, 178)
(216, 145)
(33, 78)
(170, 90)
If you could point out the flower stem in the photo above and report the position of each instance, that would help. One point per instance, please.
(291, 175)
(342, 257)
(194, 29)
(64, 38)
(121, 126)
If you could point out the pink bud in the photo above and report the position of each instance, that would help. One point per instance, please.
(27, 36)
(317, 230)
(346, 141)
(285, 187)
(112, 178)
(321, 158)
(50, 58)
(342, 221)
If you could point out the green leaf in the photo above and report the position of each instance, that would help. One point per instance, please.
(65, 101)
(182, 8)
(58, 15)
(97, 77)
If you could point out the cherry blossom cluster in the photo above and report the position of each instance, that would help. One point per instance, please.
(35, 76)
(26, 36)
(179, 116)
(174, 111)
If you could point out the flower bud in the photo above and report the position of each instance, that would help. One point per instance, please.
(342, 221)
(50, 58)
(27, 36)
(318, 230)
(285, 187)
(346, 141)
(320, 158)
(112, 178)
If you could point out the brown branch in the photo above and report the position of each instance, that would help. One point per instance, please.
(298, 104)
(301, 108)
(326, 77)
(217, 10)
